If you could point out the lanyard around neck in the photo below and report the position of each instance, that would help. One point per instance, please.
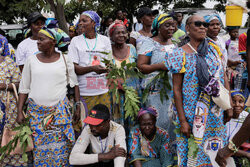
(88, 44)
(103, 149)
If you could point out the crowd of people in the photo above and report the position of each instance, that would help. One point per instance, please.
(75, 119)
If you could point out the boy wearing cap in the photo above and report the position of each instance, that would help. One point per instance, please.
(106, 139)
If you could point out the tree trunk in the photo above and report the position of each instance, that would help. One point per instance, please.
(58, 10)
(60, 16)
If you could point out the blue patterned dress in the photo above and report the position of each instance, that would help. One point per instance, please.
(214, 132)
(157, 53)
(53, 133)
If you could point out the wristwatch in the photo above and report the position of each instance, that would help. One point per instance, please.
(232, 147)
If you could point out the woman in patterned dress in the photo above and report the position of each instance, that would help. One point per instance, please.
(44, 81)
(122, 52)
(150, 62)
(192, 65)
(148, 144)
(9, 73)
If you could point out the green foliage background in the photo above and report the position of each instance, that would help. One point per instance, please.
(11, 10)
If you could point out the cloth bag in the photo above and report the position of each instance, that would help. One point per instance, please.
(223, 100)
(9, 134)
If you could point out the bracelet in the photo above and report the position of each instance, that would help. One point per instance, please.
(232, 146)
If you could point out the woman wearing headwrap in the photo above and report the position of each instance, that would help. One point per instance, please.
(72, 31)
(149, 145)
(150, 62)
(28, 47)
(122, 52)
(44, 81)
(87, 51)
(10, 73)
(234, 125)
(193, 65)
(213, 31)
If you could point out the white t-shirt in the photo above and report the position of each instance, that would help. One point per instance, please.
(234, 125)
(89, 52)
(116, 135)
(25, 49)
(46, 82)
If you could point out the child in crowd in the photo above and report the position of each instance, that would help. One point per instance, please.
(233, 43)
(236, 122)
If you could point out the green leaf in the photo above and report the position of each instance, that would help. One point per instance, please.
(25, 157)
(123, 64)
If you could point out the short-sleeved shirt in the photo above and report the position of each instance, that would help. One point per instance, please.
(46, 83)
(90, 52)
(26, 48)
(139, 39)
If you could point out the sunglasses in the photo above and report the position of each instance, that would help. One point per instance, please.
(200, 23)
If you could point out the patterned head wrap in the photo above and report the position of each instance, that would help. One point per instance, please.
(159, 20)
(213, 16)
(148, 110)
(117, 23)
(62, 39)
(51, 23)
(238, 93)
(95, 17)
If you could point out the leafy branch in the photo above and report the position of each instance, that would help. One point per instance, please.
(160, 79)
(117, 82)
(22, 136)
(192, 145)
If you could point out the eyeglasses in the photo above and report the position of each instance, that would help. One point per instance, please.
(200, 23)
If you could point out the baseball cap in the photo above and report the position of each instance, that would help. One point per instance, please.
(146, 11)
(33, 17)
(97, 115)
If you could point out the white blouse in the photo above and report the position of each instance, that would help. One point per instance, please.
(46, 82)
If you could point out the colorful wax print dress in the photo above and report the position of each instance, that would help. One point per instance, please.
(118, 109)
(10, 73)
(154, 153)
(202, 114)
(53, 133)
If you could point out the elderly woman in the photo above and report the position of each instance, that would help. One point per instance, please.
(87, 51)
(213, 31)
(9, 74)
(146, 17)
(192, 66)
(122, 52)
(150, 62)
(44, 81)
(148, 144)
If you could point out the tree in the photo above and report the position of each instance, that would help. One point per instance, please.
(11, 10)
(57, 6)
